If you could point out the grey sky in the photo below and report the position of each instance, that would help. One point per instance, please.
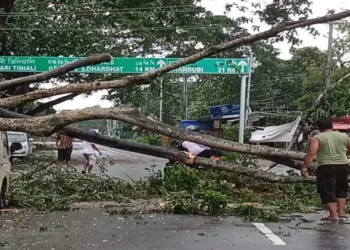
(217, 7)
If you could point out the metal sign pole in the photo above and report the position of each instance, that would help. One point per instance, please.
(186, 98)
(249, 84)
(242, 108)
(161, 100)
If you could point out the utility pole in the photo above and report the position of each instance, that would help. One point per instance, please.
(249, 84)
(184, 98)
(330, 56)
(242, 108)
(161, 100)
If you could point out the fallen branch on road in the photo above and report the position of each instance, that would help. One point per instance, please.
(48, 188)
(46, 125)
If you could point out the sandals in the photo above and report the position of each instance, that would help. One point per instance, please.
(329, 219)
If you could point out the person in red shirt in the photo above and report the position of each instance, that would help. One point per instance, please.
(64, 149)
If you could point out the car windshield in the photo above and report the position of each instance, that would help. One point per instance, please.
(14, 137)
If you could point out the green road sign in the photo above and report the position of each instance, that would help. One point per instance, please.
(122, 65)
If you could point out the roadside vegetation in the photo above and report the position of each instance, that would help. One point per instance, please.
(40, 185)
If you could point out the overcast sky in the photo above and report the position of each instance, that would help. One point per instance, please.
(217, 7)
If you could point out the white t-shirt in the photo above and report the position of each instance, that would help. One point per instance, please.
(87, 148)
(194, 148)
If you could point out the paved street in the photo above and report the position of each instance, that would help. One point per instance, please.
(92, 229)
(127, 164)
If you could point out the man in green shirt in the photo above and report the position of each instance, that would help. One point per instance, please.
(330, 150)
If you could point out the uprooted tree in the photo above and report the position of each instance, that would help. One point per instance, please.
(47, 125)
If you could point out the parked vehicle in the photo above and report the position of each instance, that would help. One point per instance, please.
(19, 144)
(5, 169)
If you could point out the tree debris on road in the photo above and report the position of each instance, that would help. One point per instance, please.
(180, 190)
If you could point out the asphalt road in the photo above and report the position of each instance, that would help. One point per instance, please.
(92, 229)
(126, 164)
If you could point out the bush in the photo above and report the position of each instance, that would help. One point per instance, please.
(181, 178)
(214, 201)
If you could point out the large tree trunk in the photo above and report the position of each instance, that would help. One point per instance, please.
(167, 153)
(46, 125)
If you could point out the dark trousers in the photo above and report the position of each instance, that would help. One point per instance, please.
(64, 154)
(207, 153)
(332, 182)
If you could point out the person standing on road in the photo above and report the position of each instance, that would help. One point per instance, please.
(330, 149)
(89, 155)
(64, 146)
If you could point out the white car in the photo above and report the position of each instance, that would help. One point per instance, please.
(5, 170)
(19, 144)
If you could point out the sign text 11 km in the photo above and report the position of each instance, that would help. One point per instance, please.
(124, 65)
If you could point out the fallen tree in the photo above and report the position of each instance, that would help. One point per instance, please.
(47, 125)
(50, 124)
(167, 153)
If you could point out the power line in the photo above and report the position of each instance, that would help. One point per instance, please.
(105, 13)
(192, 27)
(180, 8)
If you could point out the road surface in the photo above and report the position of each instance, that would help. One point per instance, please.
(126, 164)
(92, 229)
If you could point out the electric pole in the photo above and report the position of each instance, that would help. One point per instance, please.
(330, 56)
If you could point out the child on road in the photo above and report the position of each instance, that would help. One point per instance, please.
(89, 150)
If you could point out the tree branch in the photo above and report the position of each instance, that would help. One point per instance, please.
(253, 173)
(44, 106)
(144, 78)
(164, 152)
(92, 60)
(46, 125)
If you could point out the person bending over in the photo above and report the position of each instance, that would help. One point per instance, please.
(89, 150)
(198, 149)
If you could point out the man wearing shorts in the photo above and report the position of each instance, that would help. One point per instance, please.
(330, 149)
(90, 156)
(64, 149)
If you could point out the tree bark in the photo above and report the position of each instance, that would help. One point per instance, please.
(46, 125)
(92, 60)
(167, 153)
(44, 106)
(253, 173)
(144, 78)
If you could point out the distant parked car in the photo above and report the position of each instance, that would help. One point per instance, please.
(19, 144)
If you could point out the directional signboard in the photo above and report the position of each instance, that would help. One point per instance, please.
(122, 65)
